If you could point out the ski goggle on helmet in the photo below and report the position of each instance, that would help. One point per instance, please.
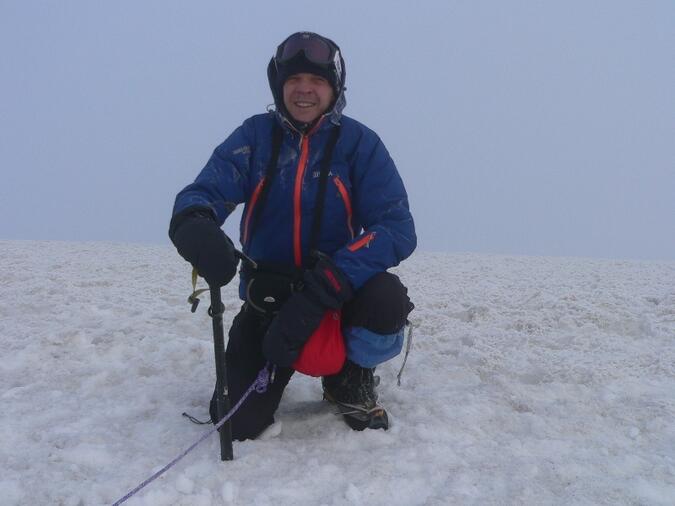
(316, 49)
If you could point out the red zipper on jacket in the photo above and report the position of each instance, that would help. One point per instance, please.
(297, 194)
(364, 241)
(297, 201)
(347, 201)
(249, 212)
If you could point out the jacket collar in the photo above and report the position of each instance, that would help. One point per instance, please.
(329, 118)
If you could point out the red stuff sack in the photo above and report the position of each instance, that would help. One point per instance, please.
(324, 353)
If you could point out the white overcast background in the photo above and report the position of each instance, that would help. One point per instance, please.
(520, 127)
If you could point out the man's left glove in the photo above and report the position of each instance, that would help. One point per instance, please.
(200, 241)
(325, 287)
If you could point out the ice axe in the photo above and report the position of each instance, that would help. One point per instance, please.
(222, 393)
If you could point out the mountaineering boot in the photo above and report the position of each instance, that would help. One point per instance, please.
(352, 390)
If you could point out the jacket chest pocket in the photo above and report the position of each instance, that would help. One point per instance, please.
(346, 199)
(338, 213)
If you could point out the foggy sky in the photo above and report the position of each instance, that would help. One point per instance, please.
(519, 127)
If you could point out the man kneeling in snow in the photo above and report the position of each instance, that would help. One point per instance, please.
(326, 214)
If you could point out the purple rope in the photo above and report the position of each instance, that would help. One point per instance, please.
(259, 385)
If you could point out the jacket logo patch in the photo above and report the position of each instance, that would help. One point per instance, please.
(317, 173)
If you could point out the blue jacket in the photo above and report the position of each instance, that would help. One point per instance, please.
(367, 226)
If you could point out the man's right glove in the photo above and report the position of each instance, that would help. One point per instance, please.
(200, 241)
(325, 287)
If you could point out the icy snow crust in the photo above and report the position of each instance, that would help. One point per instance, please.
(531, 381)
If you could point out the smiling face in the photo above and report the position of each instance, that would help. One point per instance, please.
(307, 96)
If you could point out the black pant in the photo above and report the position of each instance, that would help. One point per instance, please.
(381, 305)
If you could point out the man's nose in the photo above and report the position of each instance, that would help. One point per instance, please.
(304, 86)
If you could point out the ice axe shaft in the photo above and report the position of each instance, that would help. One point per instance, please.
(222, 393)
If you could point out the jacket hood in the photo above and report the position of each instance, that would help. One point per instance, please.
(277, 75)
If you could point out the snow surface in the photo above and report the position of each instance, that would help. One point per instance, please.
(531, 381)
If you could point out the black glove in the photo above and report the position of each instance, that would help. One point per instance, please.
(325, 287)
(200, 241)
